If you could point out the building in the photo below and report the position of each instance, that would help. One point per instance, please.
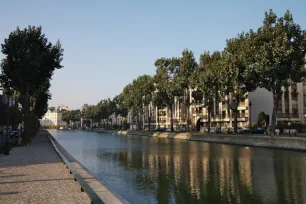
(221, 115)
(292, 106)
(255, 102)
(53, 117)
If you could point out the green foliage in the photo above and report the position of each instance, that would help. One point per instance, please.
(281, 55)
(167, 84)
(26, 69)
(206, 80)
(66, 117)
(71, 116)
(184, 73)
(237, 76)
(262, 119)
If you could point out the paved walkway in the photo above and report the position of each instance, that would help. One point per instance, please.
(36, 174)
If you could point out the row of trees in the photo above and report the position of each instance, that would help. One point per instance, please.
(270, 57)
(26, 70)
(102, 111)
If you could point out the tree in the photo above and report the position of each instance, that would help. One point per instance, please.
(148, 91)
(207, 82)
(142, 91)
(91, 113)
(159, 102)
(29, 62)
(66, 117)
(121, 109)
(167, 85)
(237, 76)
(126, 100)
(281, 56)
(71, 116)
(186, 66)
(262, 119)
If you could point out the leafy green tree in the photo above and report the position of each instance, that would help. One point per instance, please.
(146, 88)
(121, 110)
(91, 113)
(159, 102)
(207, 82)
(186, 66)
(66, 117)
(262, 119)
(281, 56)
(237, 76)
(71, 116)
(167, 85)
(29, 62)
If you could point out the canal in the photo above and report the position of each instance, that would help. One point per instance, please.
(159, 170)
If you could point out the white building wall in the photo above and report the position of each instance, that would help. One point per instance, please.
(52, 119)
(262, 101)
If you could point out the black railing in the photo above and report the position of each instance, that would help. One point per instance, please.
(287, 115)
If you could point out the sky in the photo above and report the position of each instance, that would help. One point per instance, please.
(109, 43)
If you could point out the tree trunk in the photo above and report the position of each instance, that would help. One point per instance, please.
(157, 119)
(187, 117)
(276, 98)
(136, 123)
(149, 117)
(171, 117)
(235, 112)
(26, 111)
(209, 118)
(7, 119)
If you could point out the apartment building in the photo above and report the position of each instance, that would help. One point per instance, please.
(292, 107)
(255, 102)
(53, 117)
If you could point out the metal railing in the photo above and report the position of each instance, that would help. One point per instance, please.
(287, 115)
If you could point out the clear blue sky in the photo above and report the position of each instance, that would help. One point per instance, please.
(108, 43)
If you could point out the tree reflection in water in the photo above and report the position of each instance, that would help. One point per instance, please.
(156, 170)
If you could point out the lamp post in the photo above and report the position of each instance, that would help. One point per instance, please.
(220, 110)
(250, 116)
(289, 124)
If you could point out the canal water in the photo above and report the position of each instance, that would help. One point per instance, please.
(159, 170)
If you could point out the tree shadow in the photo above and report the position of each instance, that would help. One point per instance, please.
(40, 180)
(8, 193)
(13, 175)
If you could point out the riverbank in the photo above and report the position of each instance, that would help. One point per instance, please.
(97, 191)
(36, 174)
(281, 142)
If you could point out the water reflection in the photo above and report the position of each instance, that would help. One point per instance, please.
(152, 170)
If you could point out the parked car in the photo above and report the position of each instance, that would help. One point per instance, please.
(182, 130)
(215, 130)
(293, 132)
(168, 130)
(204, 130)
(160, 130)
(258, 130)
(241, 130)
(14, 137)
(225, 130)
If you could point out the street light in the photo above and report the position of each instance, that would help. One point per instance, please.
(289, 123)
(250, 116)
(220, 110)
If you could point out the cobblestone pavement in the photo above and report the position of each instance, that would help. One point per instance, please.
(36, 174)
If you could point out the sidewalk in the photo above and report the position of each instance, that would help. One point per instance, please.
(36, 174)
